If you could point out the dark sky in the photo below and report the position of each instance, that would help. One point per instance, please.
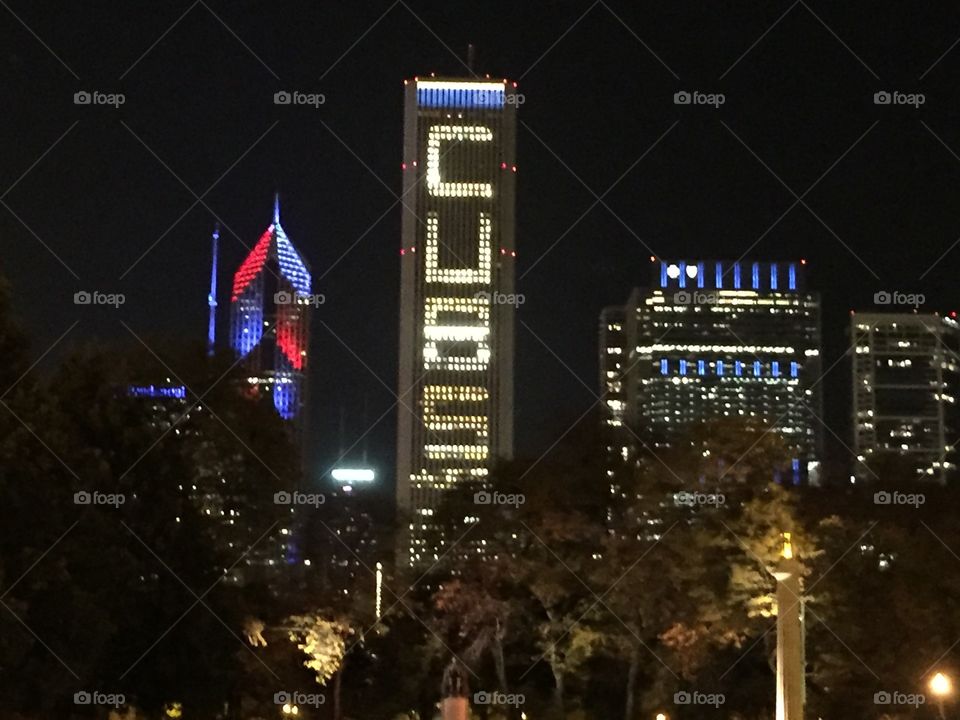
(598, 79)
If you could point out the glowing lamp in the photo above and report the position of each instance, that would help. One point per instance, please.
(941, 685)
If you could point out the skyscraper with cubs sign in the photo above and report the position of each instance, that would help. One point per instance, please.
(455, 410)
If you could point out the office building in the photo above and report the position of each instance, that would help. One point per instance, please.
(708, 340)
(905, 382)
(269, 313)
(455, 410)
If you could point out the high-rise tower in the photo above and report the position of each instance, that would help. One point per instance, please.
(714, 340)
(906, 379)
(269, 311)
(457, 267)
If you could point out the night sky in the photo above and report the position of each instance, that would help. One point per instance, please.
(116, 197)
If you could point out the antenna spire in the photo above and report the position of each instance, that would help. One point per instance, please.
(276, 208)
(212, 296)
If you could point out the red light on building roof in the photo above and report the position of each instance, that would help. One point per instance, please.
(513, 253)
(503, 251)
(953, 313)
(402, 251)
(503, 166)
(652, 259)
(514, 168)
(803, 261)
(403, 166)
(414, 163)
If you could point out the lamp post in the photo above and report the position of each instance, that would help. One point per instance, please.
(941, 686)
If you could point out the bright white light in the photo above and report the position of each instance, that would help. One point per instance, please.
(940, 685)
(673, 271)
(353, 475)
(691, 271)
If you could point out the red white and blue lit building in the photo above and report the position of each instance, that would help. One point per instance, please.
(269, 313)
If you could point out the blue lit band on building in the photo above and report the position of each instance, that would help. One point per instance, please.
(709, 340)
(457, 252)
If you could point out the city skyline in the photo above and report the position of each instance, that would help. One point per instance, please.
(594, 360)
(565, 264)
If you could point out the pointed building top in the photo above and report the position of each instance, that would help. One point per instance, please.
(276, 208)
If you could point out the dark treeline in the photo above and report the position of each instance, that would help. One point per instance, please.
(572, 594)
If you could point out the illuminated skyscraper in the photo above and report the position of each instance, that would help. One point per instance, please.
(906, 378)
(457, 259)
(713, 340)
(269, 312)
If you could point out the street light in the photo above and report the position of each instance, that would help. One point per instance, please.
(661, 716)
(289, 709)
(941, 686)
